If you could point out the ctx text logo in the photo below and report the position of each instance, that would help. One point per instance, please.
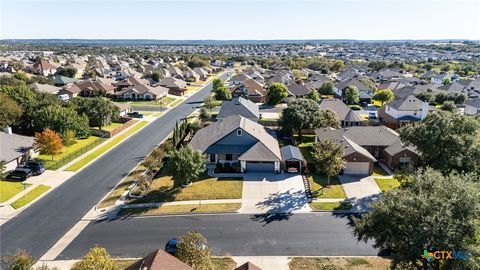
(445, 255)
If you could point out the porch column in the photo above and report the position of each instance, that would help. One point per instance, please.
(243, 165)
(277, 166)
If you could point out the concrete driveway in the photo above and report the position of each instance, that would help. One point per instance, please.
(361, 190)
(273, 193)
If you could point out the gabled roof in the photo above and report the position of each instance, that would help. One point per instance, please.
(352, 82)
(406, 103)
(343, 112)
(248, 266)
(159, 260)
(142, 89)
(172, 82)
(239, 106)
(298, 90)
(209, 135)
(361, 135)
(291, 152)
(14, 145)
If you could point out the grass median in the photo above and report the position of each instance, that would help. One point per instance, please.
(107, 146)
(182, 209)
(9, 189)
(30, 196)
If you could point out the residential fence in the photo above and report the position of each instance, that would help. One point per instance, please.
(55, 165)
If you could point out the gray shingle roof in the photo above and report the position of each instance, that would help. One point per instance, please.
(291, 152)
(406, 103)
(14, 145)
(361, 135)
(343, 112)
(239, 106)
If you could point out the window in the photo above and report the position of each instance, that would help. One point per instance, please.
(212, 157)
(228, 157)
(239, 132)
(404, 160)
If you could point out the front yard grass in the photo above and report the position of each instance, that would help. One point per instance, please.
(111, 143)
(162, 102)
(182, 209)
(319, 188)
(30, 196)
(330, 206)
(162, 189)
(121, 187)
(386, 184)
(9, 189)
(339, 263)
(111, 127)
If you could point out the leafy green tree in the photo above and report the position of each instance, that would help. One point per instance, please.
(313, 95)
(61, 119)
(328, 158)
(327, 88)
(384, 96)
(446, 81)
(447, 141)
(276, 92)
(22, 260)
(69, 138)
(156, 76)
(3, 169)
(433, 212)
(186, 164)
(352, 95)
(448, 105)
(10, 112)
(304, 114)
(21, 76)
(210, 102)
(193, 250)
(216, 84)
(67, 72)
(96, 258)
(197, 61)
(338, 66)
(99, 110)
(426, 97)
(223, 93)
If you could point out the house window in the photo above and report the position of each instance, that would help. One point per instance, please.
(404, 160)
(239, 132)
(228, 157)
(212, 157)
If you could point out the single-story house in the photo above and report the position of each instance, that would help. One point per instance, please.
(142, 92)
(345, 114)
(60, 80)
(382, 143)
(124, 108)
(14, 148)
(296, 91)
(403, 110)
(175, 86)
(71, 90)
(239, 106)
(201, 72)
(130, 81)
(249, 89)
(95, 88)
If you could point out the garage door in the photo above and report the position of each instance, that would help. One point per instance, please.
(260, 166)
(357, 168)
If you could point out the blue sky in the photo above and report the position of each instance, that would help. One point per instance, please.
(241, 19)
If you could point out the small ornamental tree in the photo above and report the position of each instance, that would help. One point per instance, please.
(384, 96)
(186, 164)
(210, 103)
(327, 88)
(48, 142)
(313, 95)
(328, 158)
(22, 260)
(222, 93)
(193, 250)
(69, 138)
(276, 92)
(352, 95)
(96, 258)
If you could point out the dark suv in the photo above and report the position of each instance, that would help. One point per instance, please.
(36, 167)
(20, 174)
(135, 115)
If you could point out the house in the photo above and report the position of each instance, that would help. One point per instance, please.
(239, 106)
(365, 145)
(45, 88)
(142, 92)
(14, 148)
(191, 76)
(340, 88)
(402, 111)
(385, 75)
(175, 71)
(202, 73)
(240, 141)
(297, 91)
(123, 108)
(249, 89)
(45, 68)
(238, 79)
(95, 88)
(159, 260)
(472, 107)
(345, 114)
(175, 86)
(71, 91)
(60, 80)
(130, 81)
(440, 78)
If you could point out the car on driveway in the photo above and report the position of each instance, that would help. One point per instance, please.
(135, 115)
(20, 174)
(36, 167)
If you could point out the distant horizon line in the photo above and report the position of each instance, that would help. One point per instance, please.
(248, 39)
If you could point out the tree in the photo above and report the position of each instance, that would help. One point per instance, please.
(48, 142)
(10, 112)
(60, 119)
(352, 95)
(186, 164)
(217, 83)
(426, 97)
(276, 92)
(446, 141)
(3, 169)
(210, 103)
(313, 95)
(99, 110)
(434, 212)
(328, 158)
(446, 81)
(22, 260)
(96, 258)
(223, 93)
(448, 105)
(384, 96)
(327, 88)
(193, 250)
(67, 72)
(45, 267)
(304, 114)
(156, 76)
(338, 66)
(69, 138)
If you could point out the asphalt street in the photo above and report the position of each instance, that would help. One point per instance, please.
(41, 225)
(320, 234)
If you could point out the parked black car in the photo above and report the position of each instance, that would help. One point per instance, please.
(36, 167)
(20, 174)
(135, 115)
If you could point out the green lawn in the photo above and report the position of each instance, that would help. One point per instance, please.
(9, 189)
(47, 159)
(30, 196)
(110, 144)
(330, 206)
(162, 102)
(182, 209)
(319, 188)
(162, 189)
(112, 126)
(176, 103)
(385, 184)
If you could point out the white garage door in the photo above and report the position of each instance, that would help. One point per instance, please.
(356, 168)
